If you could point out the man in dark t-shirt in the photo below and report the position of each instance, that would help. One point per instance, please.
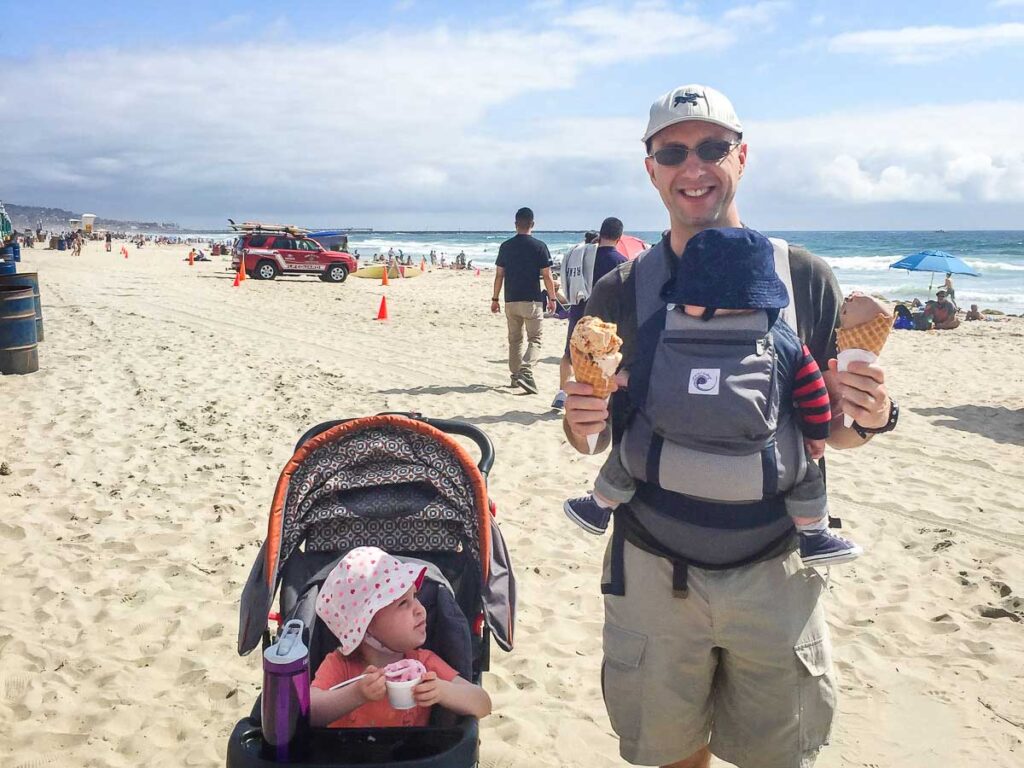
(523, 261)
(703, 656)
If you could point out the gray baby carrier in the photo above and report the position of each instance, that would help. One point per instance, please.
(706, 439)
(705, 399)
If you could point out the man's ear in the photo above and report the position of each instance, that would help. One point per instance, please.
(649, 164)
(742, 158)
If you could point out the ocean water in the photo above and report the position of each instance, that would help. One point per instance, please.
(860, 260)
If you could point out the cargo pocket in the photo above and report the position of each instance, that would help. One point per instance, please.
(817, 692)
(622, 679)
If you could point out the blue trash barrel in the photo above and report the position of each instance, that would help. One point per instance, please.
(19, 352)
(7, 268)
(28, 280)
(17, 251)
(7, 253)
(62, 245)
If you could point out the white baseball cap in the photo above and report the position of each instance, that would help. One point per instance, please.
(692, 102)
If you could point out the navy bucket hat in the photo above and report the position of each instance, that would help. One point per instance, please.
(728, 268)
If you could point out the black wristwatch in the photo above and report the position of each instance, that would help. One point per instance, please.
(889, 426)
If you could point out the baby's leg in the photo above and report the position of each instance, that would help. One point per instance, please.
(807, 505)
(806, 502)
(614, 485)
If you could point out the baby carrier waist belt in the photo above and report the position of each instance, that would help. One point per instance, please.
(626, 528)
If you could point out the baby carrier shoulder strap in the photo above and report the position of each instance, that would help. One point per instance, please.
(782, 269)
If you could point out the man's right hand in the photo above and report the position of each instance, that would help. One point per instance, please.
(584, 413)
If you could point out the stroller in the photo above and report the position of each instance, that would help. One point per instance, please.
(400, 482)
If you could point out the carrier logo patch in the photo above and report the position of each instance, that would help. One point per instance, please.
(704, 381)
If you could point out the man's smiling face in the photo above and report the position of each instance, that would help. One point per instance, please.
(698, 194)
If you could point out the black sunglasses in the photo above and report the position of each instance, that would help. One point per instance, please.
(710, 151)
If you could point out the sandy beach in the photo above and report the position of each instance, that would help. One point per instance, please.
(141, 460)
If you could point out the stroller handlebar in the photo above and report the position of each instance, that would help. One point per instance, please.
(482, 441)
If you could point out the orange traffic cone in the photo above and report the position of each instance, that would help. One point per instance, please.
(192, 258)
(382, 313)
(125, 252)
(238, 279)
(384, 277)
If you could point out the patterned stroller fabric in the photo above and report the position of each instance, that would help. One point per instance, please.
(388, 481)
(380, 487)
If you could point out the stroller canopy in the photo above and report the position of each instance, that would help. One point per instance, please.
(388, 481)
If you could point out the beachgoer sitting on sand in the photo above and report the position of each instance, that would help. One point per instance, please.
(725, 273)
(904, 318)
(974, 314)
(376, 633)
(942, 312)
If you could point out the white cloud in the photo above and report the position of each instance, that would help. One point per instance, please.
(925, 154)
(757, 14)
(1008, 4)
(924, 44)
(397, 130)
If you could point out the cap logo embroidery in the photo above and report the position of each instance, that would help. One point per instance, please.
(686, 98)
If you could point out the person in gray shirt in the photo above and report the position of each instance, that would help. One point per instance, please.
(755, 686)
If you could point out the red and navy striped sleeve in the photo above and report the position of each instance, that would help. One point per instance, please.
(810, 397)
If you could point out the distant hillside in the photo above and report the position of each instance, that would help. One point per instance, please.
(29, 217)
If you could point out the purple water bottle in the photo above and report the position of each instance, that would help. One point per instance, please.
(286, 692)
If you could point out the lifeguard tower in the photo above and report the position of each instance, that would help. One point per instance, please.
(88, 222)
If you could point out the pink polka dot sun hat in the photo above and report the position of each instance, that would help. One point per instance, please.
(366, 580)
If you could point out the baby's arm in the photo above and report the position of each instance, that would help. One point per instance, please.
(810, 402)
(459, 695)
(327, 706)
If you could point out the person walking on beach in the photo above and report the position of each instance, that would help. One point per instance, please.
(523, 262)
(583, 266)
(715, 639)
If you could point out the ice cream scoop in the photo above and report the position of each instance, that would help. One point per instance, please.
(864, 326)
(403, 671)
(859, 308)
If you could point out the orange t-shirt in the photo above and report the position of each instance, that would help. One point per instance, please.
(336, 668)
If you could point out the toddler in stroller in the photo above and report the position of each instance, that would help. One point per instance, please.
(369, 602)
(401, 483)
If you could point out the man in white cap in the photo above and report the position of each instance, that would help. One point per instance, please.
(715, 639)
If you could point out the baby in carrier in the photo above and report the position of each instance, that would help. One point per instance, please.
(369, 602)
(731, 272)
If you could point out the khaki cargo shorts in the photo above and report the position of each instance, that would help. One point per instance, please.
(744, 662)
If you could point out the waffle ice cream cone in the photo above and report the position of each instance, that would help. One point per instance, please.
(871, 335)
(864, 326)
(594, 351)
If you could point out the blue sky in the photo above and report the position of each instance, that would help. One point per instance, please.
(419, 114)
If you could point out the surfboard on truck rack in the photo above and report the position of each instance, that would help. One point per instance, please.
(259, 226)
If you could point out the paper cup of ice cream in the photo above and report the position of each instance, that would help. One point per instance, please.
(401, 678)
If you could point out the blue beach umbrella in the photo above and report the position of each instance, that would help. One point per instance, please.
(934, 261)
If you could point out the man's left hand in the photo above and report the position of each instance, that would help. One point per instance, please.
(551, 305)
(862, 392)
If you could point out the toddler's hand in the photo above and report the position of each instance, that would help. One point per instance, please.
(815, 448)
(428, 692)
(372, 687)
